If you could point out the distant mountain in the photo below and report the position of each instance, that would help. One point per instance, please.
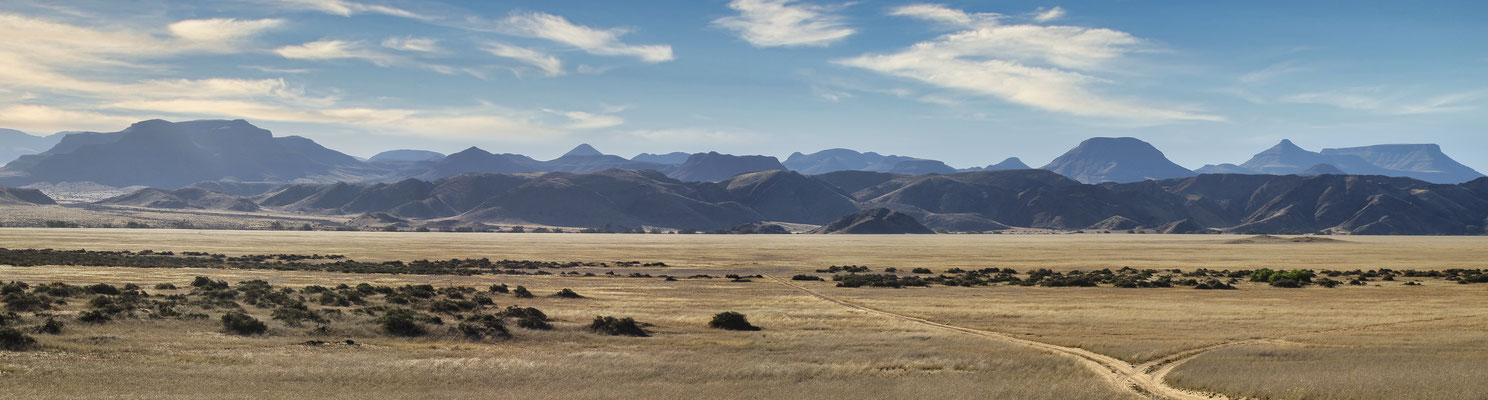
(586, 158)
(782, 195)
(1119, 160)
(1322, 169)
(246, 189)
(474, 160)
(403, 156)
(713, 167)
(24, 197)
(184, 198)
(1420, 161)
(673, 158)
(918, 166)
(14, 143)
(875, 221)
(164, 154)
(844, 159)
(1009, 164)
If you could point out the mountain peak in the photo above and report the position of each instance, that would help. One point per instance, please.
(583, 150)
(1123, 159)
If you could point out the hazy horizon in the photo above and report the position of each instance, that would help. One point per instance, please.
(966, 83)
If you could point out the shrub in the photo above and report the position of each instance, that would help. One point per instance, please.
(483, 326)
(732, 321)
(22, 302)
(921, 271)
(103, 288)
(567, 294)
(521, 292)
(95, 317)
(1214, 284)
(165, 286)
(617, 326)
(804, 277)
(13, 340)
(10, 318)
(295, 313)
(241, 323)
(499, 288)
(401, 322)
(452, 306)
(51, 327)
(534, 323)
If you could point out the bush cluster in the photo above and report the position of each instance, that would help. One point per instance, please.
(732, 321)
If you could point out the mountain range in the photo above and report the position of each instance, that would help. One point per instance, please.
(1102, 184)
(164, 154)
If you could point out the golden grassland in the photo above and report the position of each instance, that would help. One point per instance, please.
(1384, 341)
(803, 252)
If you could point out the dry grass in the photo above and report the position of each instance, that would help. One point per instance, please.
(787, 253)
(809, 349)
(1380, 341)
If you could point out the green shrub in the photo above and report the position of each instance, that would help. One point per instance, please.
(165, 286)
(732, 321)
(241, 323)
(21, 301)
(483, 326)
(401, 322)
(12, 339)
(921, 271)
(499, 288)
(521, 292)
(10, 318)
(617, 326)
(295, 313)
(51, 327)
(567, 294)
(804, 277)
(95, 317)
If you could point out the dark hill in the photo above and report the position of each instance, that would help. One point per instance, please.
(405, 156)
(184, 198)
(875, 221)
(26, 197)
(782, 195)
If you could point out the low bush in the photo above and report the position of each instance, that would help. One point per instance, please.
(20, 301)
(12, 339)
(165, 286)
(732, 321)
(103, 288)
(10, 318)
(921, 271)
(238, 322)
(617, 326)
(500, 288)
(1214, 284)
(567, 294)
(804, 277)
(483, 326)
(401, 322)
(51, 327)
(521, 292)
(95, 317)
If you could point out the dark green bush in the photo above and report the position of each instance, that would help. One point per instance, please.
(296, 313)
(617, 326)
(51, 327)
(732, 321)
(401, 322)
(10, 318)
(567, 294)
(499, 288)
(483, 326)
(521, 292)
(20, 301)
(165, 286)
(241, 323)
(12, 339)
(804, 277)
(921, 271)
(95, 317)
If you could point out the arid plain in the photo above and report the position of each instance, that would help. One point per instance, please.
(1382, 340)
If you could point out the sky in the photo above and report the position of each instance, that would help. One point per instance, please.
(966, 82)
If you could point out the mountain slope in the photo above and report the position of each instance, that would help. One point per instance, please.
(879, 221)
(1124, 159)
(14, 143)
(25, 197)
(164, 154)
(713, 167)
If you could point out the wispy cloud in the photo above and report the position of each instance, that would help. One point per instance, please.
(1046, 15)
(221, 31)
(323, 50)
(598, 41)
(785, 23)
(1044, 67)
(94, 68)
(550, 65)
(1382, 100)
(415, 44)
(348, 8)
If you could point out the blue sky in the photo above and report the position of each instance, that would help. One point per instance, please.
(967, 82)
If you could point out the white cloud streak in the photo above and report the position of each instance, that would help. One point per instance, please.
(549, 64)
(415, 44)
(1043, 67)
(1381, 100)
(349, 8)
(605, 42)
(785, 23)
